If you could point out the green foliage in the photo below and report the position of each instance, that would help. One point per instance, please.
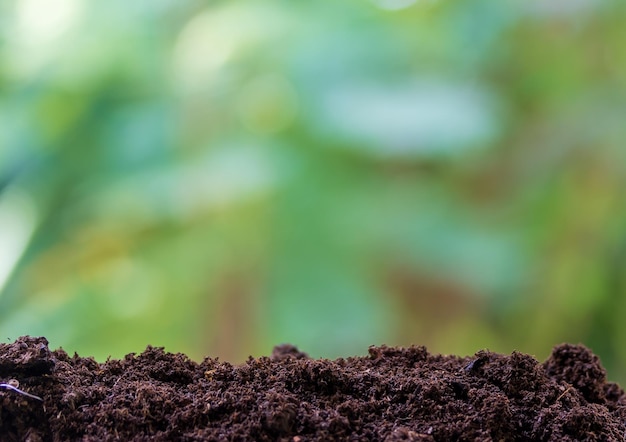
(218, 178)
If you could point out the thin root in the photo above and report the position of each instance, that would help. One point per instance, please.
(17, 390)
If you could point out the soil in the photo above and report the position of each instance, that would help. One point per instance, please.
(393, 394)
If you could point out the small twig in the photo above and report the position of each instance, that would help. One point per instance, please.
(563, 394)
(17, 390)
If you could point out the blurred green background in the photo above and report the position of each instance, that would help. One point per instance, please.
(217, 177)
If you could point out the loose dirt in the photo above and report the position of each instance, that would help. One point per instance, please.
(394, 394)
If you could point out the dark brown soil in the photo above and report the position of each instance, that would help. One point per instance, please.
(394, 394)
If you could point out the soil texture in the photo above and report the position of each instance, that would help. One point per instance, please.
(393, 394)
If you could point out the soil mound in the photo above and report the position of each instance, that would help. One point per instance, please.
(393, 394)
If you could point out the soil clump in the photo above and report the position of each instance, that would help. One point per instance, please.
(393, 394)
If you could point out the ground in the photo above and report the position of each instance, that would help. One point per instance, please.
(393, 394)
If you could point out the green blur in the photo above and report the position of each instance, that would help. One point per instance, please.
(219, 177)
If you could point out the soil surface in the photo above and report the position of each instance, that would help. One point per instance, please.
(394, 394)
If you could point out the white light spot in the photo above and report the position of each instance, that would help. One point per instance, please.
(426, 117)
(215, 38)
(204, 46)
(40, 21)
(17, 224)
